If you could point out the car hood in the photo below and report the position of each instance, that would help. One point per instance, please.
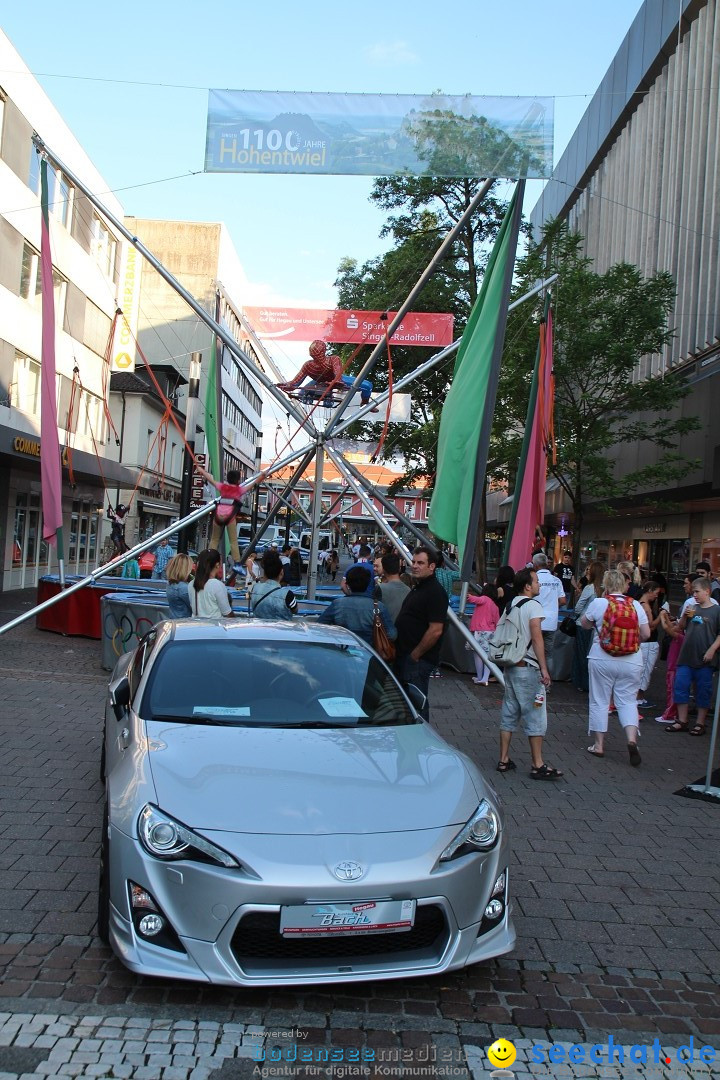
(317, 781)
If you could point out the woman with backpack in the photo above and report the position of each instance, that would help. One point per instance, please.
(614, 662)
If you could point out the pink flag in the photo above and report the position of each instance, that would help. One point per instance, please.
(530, 487)
(50, 474)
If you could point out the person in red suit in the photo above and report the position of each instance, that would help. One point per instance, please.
(322, 368)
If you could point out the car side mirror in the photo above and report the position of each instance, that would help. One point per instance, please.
(416, 696)
(120, 696)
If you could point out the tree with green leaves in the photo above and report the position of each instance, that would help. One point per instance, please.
(604, 324)
(428, 207)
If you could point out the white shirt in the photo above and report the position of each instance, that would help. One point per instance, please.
(692, 602)
(594, 613)
(551, 591)
(533, 610)
(211, 602)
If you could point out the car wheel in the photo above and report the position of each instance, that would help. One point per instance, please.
(103, 917)
(102, 759)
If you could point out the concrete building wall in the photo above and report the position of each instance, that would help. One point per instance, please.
(640, 180)
(203, 259)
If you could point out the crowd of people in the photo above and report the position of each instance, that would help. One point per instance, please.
(410, 601)
(619, 616)
(621, 623)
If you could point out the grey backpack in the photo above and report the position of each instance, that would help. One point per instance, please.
(508, 645)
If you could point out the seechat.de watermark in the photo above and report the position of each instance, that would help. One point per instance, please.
(611, 1053)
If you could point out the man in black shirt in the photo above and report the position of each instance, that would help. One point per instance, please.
(563, 570)
(420, 624)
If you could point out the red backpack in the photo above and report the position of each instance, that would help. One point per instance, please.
(620, 631)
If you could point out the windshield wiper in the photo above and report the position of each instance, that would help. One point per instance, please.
(200, 718)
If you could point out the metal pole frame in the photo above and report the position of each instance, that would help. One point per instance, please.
(389, 532)
(213, 324)
(294, 509)
(308, 452)
(410, 299)
(433, 362)
(708, 788)
(328, 515)
(316, 515)
(113, 564)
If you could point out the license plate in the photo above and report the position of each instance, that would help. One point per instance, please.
(339, 920)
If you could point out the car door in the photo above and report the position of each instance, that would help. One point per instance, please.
(124, 688)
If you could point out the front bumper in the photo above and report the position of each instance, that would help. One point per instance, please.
(227, 920)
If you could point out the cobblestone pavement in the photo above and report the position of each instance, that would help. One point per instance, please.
(615, 882)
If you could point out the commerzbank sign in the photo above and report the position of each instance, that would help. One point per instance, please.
(31, 448)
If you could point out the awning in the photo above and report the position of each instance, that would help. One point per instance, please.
(24, 447)
(145, 506)
(551, 484)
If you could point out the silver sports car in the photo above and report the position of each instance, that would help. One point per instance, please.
(278, 813)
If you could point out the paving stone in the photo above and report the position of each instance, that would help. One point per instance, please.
(599, 862)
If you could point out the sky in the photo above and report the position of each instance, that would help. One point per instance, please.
(131, 82)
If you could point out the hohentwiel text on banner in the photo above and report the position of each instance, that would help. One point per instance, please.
(378, 134)
(430, 329)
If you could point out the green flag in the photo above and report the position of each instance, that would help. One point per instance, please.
(467, 414)
(212, 427)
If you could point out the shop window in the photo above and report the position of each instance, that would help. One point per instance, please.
(34, 171)
(62, 199)
(31, 281)
(19, 529)
(103, 246)
(61, 193)
(91, 419)
(25, 387)
(97, 329)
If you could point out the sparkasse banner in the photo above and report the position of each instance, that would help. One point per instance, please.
(378, 134)
(432, 330)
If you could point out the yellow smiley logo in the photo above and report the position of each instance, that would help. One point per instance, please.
(502, 1053)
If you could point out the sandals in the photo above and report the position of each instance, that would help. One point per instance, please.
(634, 753)
(594, 752)
(699, 729)
(505, 766)
(677, 726)
(544, 772)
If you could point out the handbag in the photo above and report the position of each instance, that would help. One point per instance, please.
(382, 644)
(568, 626)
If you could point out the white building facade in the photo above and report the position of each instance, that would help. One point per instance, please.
(85, 255)
(202, 258)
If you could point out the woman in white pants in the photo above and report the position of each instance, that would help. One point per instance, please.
(650, 649)
(615, 678)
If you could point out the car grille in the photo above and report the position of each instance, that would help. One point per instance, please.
(258, 938)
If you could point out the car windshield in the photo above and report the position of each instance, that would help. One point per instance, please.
(271, 683)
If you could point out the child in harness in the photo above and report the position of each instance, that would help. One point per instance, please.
(226, 512)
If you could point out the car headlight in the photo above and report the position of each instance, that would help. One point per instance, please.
(166, 838)
(479, 834)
